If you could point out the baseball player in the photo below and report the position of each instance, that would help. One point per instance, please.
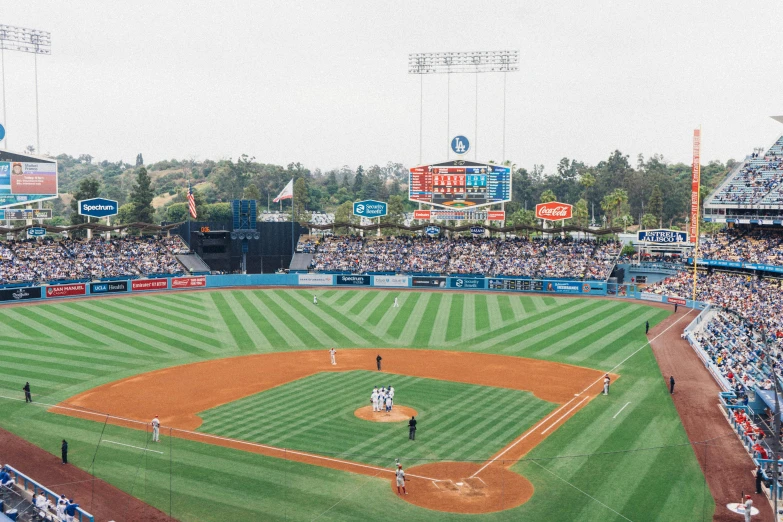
(396, 304)
(156, 429)
(748, 507)
(391, 394)
(388, 404)
(315, 300)
(60, 509)
(374, 400)
(606, 384)
(400, 479)
(332, 353)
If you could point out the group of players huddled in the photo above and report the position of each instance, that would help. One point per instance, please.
(383, 399)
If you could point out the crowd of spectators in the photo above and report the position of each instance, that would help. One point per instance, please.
(749, 246)
(523, 257)
(759, 179)
(44, 260)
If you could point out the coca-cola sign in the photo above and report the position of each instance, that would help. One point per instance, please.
(553, 211)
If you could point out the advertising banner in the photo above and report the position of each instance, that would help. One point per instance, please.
(695, 182)
(565, 287)
(553, 211)
(421, 214)
(396, 281)
(188, 282)
(353, 280)
(25, 181)
(108, 287)
(315, 279)
(676, 300)
(370, 208)
(467, 282)
(496, 215)
(662, 236)
(98, 207)
(66, 290)
(25, 213)
(141, 285)
(20, 294)
(647, 296)
(437, 282)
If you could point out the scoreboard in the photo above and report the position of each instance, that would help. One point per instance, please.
(519, 285)
(460, 184)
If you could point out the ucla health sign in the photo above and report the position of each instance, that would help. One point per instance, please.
(370, 208)
(98, 207)
(663, 236)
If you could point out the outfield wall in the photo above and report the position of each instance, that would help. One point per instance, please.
(428, 282)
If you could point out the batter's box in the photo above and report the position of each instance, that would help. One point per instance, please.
(475, 483)
(448, 485)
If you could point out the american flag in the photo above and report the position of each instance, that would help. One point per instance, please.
(191, 203)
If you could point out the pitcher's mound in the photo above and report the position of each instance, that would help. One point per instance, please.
(398, 414)
(450, 486)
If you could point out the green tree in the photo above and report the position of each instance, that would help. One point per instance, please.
(612, 204)
(301, 200)
(218, 212)
(358, 181)
(587, 180)
(655, 205)
(547, 196)
(125, 214)
(396, 211)
(88, 188)
(581, 213)
(141, 196)
(650, 221)
(251, 192)
(331, 182)
(177, 212)
(344, 214)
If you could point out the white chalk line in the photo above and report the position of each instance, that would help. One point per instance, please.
(545, 419)
(566, 414)
(130, 446)
(621, 409)
(226, 439)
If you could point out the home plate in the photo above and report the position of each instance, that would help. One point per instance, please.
(460, 483)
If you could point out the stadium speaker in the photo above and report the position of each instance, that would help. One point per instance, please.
(233, 235)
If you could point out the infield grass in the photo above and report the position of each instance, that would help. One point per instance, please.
(635, 466)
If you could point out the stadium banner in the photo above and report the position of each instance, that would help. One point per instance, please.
(421, 214)
(353, 280)
(695, 182)
(188, 282)
(554, 211)
(27, 181)
(663, 235)
(496, 215)
(514, 285)
(108, 287)
(436, 282)
(316, 279)
(647, 296)
(467, 282)
(564, 287)
(142, 285)
(676, 300)
(20, 294)
(390, 281)
(66, 290)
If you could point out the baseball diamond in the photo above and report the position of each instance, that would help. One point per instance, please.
(507, 389)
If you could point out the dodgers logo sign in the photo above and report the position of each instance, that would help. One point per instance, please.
(663, 236)
(460, 145)
(36, 232)
(477, 230)
(432, 230)
(98, 207)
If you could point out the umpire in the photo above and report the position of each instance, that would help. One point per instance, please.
(412, 428)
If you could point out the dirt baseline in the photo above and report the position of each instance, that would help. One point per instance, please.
(179, 393)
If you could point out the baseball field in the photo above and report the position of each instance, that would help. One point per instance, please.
(259, 426)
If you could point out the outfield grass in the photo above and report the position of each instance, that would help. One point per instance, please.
(69, 347)
(456, 421)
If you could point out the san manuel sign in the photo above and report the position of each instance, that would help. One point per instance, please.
(370, 208)
(663, 235)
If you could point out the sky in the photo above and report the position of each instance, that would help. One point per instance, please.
(326, 83)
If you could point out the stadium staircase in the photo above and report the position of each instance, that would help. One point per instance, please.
(301, 262)
(193, 263)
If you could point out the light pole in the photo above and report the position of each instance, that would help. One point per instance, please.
(26, 41)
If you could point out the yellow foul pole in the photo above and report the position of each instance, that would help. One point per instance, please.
(695, 184)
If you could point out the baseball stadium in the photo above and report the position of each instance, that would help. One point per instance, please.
(456, 339)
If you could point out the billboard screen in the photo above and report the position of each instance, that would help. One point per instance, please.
(459, 184)
(24, 179)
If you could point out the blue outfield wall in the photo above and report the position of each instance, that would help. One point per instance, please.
(458, 283)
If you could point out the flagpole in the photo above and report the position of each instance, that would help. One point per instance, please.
(293, 246)
(190, 218)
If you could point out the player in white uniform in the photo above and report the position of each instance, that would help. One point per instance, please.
(60, 509)
(374, 399)
(400, 479)
(315, 300)
(396, 304)
(156, 429)
(391, 394)
(332, 353)
(388, 403)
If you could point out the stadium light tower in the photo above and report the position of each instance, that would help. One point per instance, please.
(461, 62)
(27, 41)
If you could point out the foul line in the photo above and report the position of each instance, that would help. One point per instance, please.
(546, 419)
(563, 416)
(216, 437)
(621, 409)
(129, 446)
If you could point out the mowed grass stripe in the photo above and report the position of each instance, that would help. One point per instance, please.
(345, 296)
(165, 304)
(439, 322)
(130, 306)
(297, 330)
(237, 331)
(159, 334)
(425, 327)
(85, 365)
(186, 299)
(323, 330)
(482, 312)
(397, 325)
(595, 337)
(455, 316)
(506, 311)
(173, 323)
(365, 337)
(38, 317)
(361, 304)
(273, 328)
(260, 323)
(377, 309)
(527, 304)
(21, 327)
(111, 360)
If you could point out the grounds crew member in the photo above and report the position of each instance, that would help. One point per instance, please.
(412, 428)
(27, 396)
(378, 360)
(64, 451)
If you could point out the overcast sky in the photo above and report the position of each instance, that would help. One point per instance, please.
(326, 83)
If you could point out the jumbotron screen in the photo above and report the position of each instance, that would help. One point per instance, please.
(460, 184)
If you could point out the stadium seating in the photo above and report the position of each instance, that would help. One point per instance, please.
(757, 182)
